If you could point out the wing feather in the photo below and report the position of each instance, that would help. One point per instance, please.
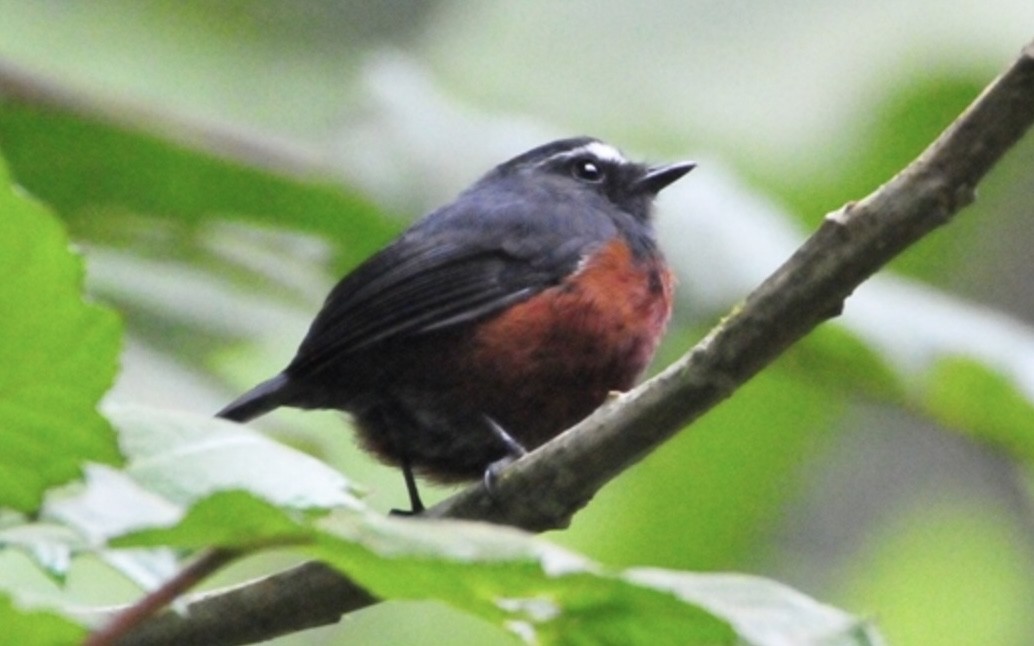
(465, 261)
(432, 289)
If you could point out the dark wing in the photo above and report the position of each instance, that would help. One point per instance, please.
(411, 288)
(484, 252)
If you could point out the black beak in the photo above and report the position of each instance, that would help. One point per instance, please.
(659, 177)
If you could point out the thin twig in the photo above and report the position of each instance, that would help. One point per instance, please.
(125, 620)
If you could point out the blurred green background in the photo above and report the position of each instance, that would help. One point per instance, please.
(864, 468)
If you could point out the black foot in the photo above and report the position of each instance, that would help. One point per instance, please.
(492, 474)
(417, 505)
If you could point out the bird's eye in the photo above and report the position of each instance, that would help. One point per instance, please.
(587, 170)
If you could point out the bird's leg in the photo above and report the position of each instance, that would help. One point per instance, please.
(393, 418)
(514, 451)
(417, 505)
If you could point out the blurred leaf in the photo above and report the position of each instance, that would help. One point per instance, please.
(906, 124)
(762, 611)
(834, 359)
(232, 519)
(59, 357)
(184, 457)
(967, 395)
(704, 500)
(174, 459)
(50, 545)
(892, 329)
(81, 163)
(729, 475)
(900, 127)
(37, 627)
(521, 582)
(908, 573)
(108, 504)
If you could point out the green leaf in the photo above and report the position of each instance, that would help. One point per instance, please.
(174, 459)
(762, 611)
(37, 627)
(518, 581)
(108, 504)
(184, 457)
(58, 352)
(987, 405)
(896, 129)
(835, 359)
(907, 570)
(50, 545)
(77, 163)
(232, 519)
(714, 490)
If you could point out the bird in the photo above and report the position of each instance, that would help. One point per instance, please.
(495, 322)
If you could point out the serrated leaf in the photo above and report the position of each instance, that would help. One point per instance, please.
(59, 356)
(542, 592)
(174, 459)
(552, 596)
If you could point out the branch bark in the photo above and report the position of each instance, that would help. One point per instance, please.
(544, 489)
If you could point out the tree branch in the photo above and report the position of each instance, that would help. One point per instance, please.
(544, 489)
(128, 618)
(258, 610)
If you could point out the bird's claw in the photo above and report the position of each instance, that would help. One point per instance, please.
(492, 474)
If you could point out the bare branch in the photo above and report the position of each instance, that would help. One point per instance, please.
(131, 616)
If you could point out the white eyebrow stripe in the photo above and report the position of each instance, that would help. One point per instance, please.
(595, 149)
(603, 152)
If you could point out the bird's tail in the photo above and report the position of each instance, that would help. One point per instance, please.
(258, 401)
